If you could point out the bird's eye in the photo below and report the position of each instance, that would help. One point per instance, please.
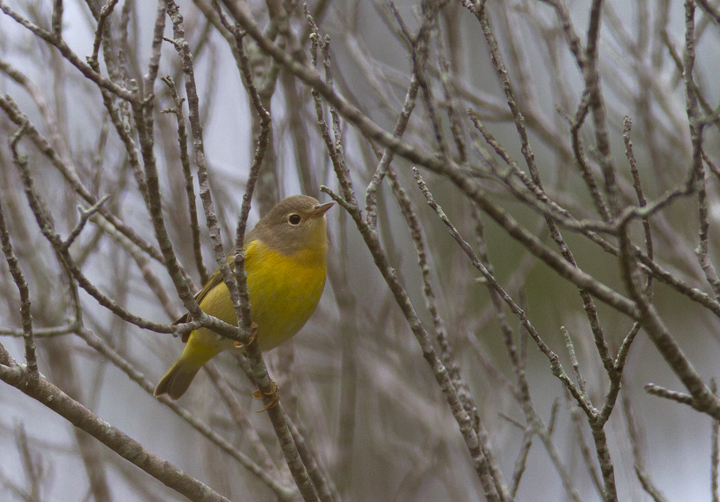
(294, 219)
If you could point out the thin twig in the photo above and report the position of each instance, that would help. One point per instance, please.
(715, 455)
(637, 185)
(18, 276)
(105, 12)
(68, 54)
(52, 397)
(649, 486)
(557, 368)
(189, 180)
(672, 395)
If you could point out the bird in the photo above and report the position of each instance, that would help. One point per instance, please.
(285, 263)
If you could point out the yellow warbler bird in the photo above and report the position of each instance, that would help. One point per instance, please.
(285, 265)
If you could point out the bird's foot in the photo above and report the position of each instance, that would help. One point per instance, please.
(253, 338)
(274, 396)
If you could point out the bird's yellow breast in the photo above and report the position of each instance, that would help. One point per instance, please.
(284, 292)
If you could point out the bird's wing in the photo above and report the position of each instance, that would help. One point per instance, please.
(214, 280)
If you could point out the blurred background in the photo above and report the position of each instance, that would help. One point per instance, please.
(354, 379)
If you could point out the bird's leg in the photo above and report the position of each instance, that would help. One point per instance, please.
(274, 394)
(253, 337)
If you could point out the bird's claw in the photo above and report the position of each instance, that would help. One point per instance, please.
(274, 394)
(253, 338)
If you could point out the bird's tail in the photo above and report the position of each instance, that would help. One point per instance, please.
(178, 378)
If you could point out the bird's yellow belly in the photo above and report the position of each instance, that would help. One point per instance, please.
(284, 292)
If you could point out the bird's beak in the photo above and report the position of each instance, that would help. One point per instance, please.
(321, 209)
